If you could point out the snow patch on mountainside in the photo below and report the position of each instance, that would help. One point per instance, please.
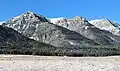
(2, 22)
(95, 21)
(54, 20)
(15, 18)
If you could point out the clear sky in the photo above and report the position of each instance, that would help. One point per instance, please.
(90, 9)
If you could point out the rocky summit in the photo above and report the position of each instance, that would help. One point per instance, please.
(62, 36)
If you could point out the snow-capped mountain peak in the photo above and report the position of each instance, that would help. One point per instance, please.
(25, 20)
(105, 24)
(29, 16)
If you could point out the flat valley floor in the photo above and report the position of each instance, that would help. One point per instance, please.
(54, 63)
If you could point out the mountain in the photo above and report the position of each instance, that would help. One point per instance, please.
(83, 27)
(31, 33)
(12, 42)
(37, 27)
(105, 24)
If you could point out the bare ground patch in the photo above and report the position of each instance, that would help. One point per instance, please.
(54, 63)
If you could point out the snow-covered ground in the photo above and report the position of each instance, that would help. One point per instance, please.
(53, 63)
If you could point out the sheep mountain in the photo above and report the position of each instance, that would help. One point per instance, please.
(60, 36)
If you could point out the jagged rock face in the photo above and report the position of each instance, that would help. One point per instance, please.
(105, 24)
(42, 30)
(83, 27)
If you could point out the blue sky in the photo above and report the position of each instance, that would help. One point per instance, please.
(90, 9)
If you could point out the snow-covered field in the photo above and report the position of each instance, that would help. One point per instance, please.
(53, 63)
